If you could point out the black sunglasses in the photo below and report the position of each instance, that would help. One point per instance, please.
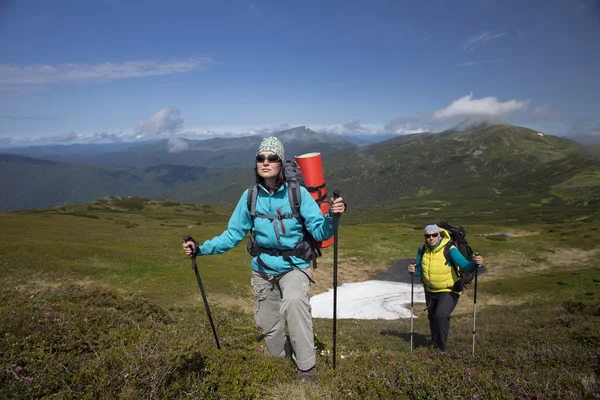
(271, 157)
(427, 236)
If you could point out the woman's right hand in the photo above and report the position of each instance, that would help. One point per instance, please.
(412, 267)
(189, 247)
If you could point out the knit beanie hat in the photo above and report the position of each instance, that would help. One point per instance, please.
(273, 145)
(431, 228)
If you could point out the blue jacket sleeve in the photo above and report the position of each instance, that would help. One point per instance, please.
(319, 225)
(239, 225)
(460, 261)
(418, 270)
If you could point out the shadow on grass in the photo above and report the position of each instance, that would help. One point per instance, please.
(418, 339)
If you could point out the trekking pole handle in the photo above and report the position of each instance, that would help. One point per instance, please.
(336, 194)
(194, 252)
(476, 255)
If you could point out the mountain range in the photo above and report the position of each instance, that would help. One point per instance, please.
(492, 164)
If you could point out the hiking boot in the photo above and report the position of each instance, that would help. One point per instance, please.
(307, 376)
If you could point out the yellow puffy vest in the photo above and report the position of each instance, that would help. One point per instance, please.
(436, 274)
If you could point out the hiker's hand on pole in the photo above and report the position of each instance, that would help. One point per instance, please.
(190, 246)
(412, 267)
(478, 259)
(337, 206)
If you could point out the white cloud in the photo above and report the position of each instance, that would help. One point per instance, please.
(477, 40)
(473, 63)
(406, 125)
(42, 74)
(488, 107)
(107, 137)
(252, 6)
(425, 38)
(356, 127)
(166, 121)
(545, 112)
(5, 141)
(60, 138)
(177, 145)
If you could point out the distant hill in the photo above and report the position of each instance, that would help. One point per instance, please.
(486, 161)
(366, 139)
(60, 152)
(211, 153)
(32, 183)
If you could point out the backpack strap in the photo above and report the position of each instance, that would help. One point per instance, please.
(447, 252)
(447, 248)
(252, 195)
(295, 198)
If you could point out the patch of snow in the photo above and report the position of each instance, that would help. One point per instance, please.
(368, 300)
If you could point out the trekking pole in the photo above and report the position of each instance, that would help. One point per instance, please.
(336, 194)
(475, 305)
(412, 305)
(195, 268)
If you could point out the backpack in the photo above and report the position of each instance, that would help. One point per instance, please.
(307, 249)
(457, 239)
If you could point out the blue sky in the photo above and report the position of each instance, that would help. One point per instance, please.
(86, 70)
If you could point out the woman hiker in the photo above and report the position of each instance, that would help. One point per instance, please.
(280, 277)
(440, 281)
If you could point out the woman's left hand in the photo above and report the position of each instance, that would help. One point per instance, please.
(337, 206)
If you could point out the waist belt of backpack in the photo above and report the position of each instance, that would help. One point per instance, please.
(287, 256)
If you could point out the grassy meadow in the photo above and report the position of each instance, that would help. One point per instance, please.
(99, 301)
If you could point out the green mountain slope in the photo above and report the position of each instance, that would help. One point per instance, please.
(500, 168)
(32, 183)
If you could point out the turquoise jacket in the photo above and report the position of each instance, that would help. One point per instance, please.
(289, 230)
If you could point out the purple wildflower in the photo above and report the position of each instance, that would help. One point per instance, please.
(18, 369)
(29, 379)
(85, 320)
(468, 371)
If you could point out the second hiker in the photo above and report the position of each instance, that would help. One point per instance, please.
(440, 280)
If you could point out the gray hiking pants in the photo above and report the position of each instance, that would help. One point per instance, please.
(282, 299)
